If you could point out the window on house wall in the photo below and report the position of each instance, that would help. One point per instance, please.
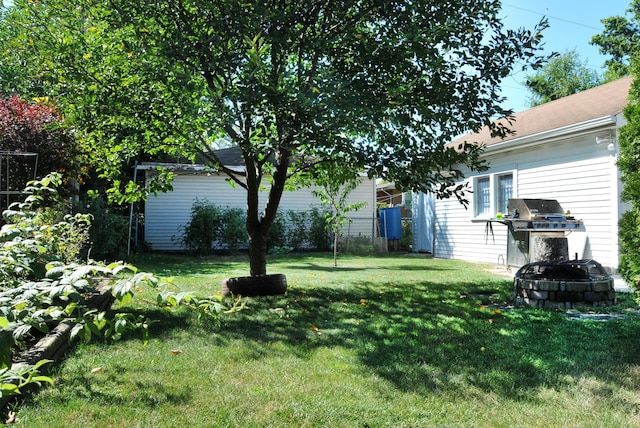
(483, 196)
(492, 193)
(505, 191)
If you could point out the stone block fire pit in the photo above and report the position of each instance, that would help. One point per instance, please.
(564, 284)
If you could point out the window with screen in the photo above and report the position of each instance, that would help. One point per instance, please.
(492, 193)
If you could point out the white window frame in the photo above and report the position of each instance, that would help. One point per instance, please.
(494, 180)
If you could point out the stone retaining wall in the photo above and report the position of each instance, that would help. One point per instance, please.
(546, 293)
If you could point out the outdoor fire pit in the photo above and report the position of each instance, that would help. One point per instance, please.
(564, 284)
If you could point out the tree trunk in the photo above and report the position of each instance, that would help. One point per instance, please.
(550, 248)
(335, 248)
(258, 254)
(259, 225)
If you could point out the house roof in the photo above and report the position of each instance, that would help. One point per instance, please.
(230, 157)
(602, 101)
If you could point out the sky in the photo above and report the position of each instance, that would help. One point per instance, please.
(572, 23)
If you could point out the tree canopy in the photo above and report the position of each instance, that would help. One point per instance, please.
(628, 161)
(562, 76)
(376, 85)
(620, 39)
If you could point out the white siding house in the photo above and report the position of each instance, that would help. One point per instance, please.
(564, 150)
(166, 213)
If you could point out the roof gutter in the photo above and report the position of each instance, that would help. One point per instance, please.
(184, 167)
(552, 134)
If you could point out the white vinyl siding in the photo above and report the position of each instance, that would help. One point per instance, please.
(576, 171)
(167, 213)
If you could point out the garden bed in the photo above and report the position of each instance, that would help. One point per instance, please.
(53, 345)
(59, 340)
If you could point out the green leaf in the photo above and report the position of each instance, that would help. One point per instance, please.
(6, 348)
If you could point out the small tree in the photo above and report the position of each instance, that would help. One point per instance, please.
(335, 186)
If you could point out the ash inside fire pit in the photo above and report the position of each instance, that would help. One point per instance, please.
(564, 284)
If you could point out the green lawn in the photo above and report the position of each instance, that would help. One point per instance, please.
(397, 341)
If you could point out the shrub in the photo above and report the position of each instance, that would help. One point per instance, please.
(36, 127)
(211, 226)
(629, 237)
(277, 234)
(36, 234)
(39, 288)
(319, 237)
(234, 232)
(297, 229)
(109, 231)
(204, 228)
(407, 235)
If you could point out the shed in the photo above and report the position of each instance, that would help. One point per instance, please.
(167, 213)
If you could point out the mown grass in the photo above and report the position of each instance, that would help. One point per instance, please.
(396, 341)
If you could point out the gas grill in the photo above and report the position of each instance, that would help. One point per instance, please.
(531, 219)
(539, 215)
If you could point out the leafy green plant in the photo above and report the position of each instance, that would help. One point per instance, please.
(209, 307)
(407, 234)
(204, 227)
(318, 234)
(233, 233)
(12, 380)
(211, 226)
(33, 235)
(40, 288)
(297, 228)
(336, 183)
(109, 230)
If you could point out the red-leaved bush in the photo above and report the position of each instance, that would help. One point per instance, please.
(31, 128)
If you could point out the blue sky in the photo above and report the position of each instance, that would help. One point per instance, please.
(572, 23)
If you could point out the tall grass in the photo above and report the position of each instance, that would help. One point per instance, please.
(394, 341)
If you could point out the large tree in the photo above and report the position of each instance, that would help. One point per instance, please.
(378, 85)
(628, 161)
(621, 40)
(563, 75)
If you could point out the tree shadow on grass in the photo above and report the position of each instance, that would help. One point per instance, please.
(325, 267)
(430, 337)
(114, 389)
(330, 268)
